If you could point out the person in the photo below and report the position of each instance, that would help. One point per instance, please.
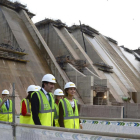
(42, 102)
(25, 109)
(68, 109)
(58, 93)
(6, 109)
(38, 87)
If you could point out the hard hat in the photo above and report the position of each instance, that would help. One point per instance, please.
(58, 92)
(49, 78)
(69, 85)
(32, 88)
(5, 92)
(38, 87)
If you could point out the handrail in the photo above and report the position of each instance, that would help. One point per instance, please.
(89, 132)
(111, 119)
(2, 122)
(107, 119)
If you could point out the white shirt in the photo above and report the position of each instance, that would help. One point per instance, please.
(45, 92)
(72, 104)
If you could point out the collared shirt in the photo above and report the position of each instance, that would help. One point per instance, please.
(7, 104)
(45, 92)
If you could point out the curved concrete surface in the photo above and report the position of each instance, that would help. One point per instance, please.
(18, 27)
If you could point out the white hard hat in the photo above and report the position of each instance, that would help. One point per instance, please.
(69, 85)
(5, 92)
(32, 88)
(58, 92)
(38, 87)
(49, 78)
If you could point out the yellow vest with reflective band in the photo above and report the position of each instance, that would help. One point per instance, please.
(71, 119)
(26, 119)
(46, 112)
(56, 115)
(6, 115)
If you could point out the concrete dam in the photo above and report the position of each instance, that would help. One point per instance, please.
(107, 76)
(28, 51)
(114, 75)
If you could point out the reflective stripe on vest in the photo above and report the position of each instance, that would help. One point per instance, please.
(1, 106)
(71, 118)
(56, 115)
(5, 108)
(55, 112)
(28, 108)
(6, 115)
(46, 111)
(66, 112)
(26, 119)
(42, 107)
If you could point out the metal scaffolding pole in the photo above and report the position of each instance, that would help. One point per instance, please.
(13, 112)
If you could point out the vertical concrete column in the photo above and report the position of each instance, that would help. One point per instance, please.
(107, 97)
(94, 95)
(84, 83)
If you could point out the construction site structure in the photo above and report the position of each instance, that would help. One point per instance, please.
(102, 74)
(113, 74)
(24, 55)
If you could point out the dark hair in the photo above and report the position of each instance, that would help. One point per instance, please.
(29, 95)
(44, 82)
(66, 93)
(55, 99)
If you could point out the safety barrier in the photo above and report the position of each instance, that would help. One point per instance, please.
(34, 132)
(60, 134)
(128, 126)
(6, 132)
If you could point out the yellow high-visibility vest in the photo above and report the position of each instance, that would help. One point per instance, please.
(71, 119)
(56, 115)
(26, 119)
(6, 115)
(46, 112)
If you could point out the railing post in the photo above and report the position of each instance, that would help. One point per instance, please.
(13, 112)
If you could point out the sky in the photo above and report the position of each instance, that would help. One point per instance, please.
(118, 19)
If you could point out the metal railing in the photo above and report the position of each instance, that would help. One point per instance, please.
(73, 131)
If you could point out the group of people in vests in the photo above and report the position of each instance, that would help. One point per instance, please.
(41, 107)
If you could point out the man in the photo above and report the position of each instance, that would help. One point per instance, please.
(6, 109)
(42, 102)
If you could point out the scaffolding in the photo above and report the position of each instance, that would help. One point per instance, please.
(104, 67)
(62, 60)
(8, 52)
(16, 6)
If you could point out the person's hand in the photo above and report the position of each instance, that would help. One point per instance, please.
(5, 98)
(81, 127)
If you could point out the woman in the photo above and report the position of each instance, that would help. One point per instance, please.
(25, 110)
(58, 95)
(68, 109)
